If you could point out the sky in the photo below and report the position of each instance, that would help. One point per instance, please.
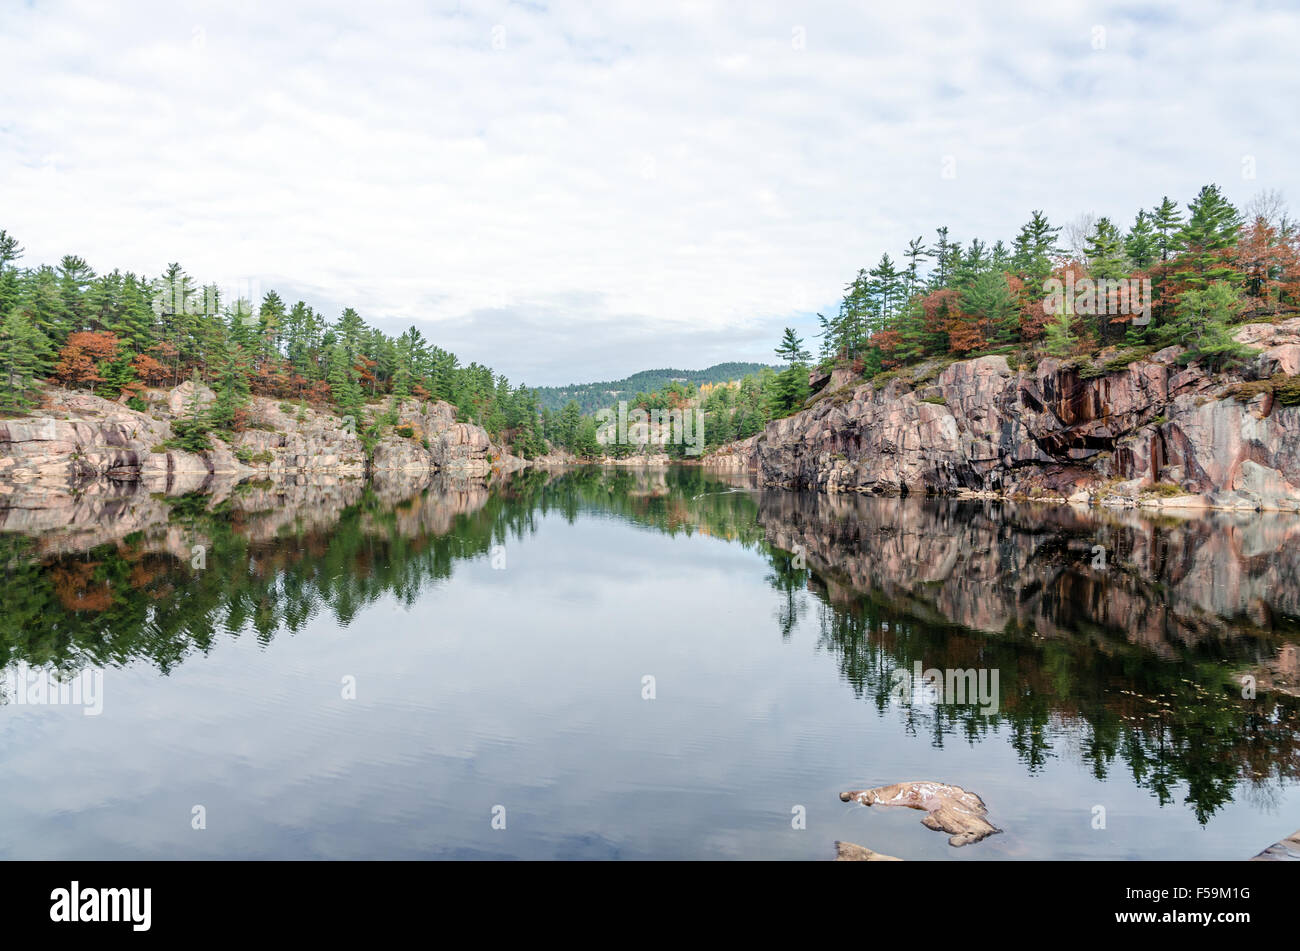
(571, 192)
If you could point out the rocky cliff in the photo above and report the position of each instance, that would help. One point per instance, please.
(85, 442)
(1153, 430)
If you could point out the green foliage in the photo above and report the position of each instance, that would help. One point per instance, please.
(1202, 323)
(791, 385)
(1285, 389)
(23, 353)
(591, 397)
(989, 298)
(189, 436)
(1058, 335)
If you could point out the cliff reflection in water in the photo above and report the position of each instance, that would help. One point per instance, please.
(1136, 660)
(1120, 640)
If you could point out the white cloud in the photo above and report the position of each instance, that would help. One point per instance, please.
(664, 172)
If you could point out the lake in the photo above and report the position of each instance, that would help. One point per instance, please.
(638, 664)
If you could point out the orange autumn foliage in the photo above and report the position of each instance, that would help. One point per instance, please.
(80, 357)
(148, 369)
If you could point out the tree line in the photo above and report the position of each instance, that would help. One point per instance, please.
(118, 333)
(1208, 266)
(1174, 277)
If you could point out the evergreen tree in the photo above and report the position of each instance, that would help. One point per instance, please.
(1058, 336)
(884, 292)
(1211, 229)
(1141, 244)
(916, 251)
(990, 300)
(117, 374)
(1203, 324)
(791, 387)
(1167, 221)
(342, 382)
(230, 384)
(1104, 248)
(75, 277)
(566, 425)
(10, 284)
(1034, 251)
(943, 254)
(24, 353)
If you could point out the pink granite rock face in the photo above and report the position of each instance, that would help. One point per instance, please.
(80, 440)
(979, 426)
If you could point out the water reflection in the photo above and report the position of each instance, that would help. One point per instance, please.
(1121, 641)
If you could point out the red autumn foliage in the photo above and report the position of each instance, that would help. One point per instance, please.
(170, 357)
(80, 357)
(1031, 316)
(943, 314)
(273, 378)
(148, 369)
(1269, 266)
(319, 393)
(887, 340)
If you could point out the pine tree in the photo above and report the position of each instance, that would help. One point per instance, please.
(916, 250)
(24, 353)
(1167, 222)
(1058, 337)
(1203, 324)
(1104, 248)
(1211, 229)
(342, 381)
(174, 304)
(943, 254)
(351, 331)
(230, 384)
(566, 425)
(990, 300)
(10, 285)
(75, 277)
(1140, 244)
(117, 374)
(190, 433)
(791, 386)
(1034, 251)
(271, 325)
(884, 292)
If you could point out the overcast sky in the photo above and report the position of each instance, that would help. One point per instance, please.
(568, 193)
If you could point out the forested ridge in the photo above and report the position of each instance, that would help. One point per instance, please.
(1176, 276)
(117, 333)
(593, 396)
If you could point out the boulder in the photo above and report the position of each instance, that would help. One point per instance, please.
(948, 808)
(1287, 850)
(848, 852)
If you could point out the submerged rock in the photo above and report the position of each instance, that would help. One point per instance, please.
(848, 852)
(949, 808)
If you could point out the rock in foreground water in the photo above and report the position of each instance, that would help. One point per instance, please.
(848, 852)
(1288, 850)
(950, 808)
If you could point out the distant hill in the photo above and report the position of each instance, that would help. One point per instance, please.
(593, 396)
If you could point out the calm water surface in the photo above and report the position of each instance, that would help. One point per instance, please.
(498, 638)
